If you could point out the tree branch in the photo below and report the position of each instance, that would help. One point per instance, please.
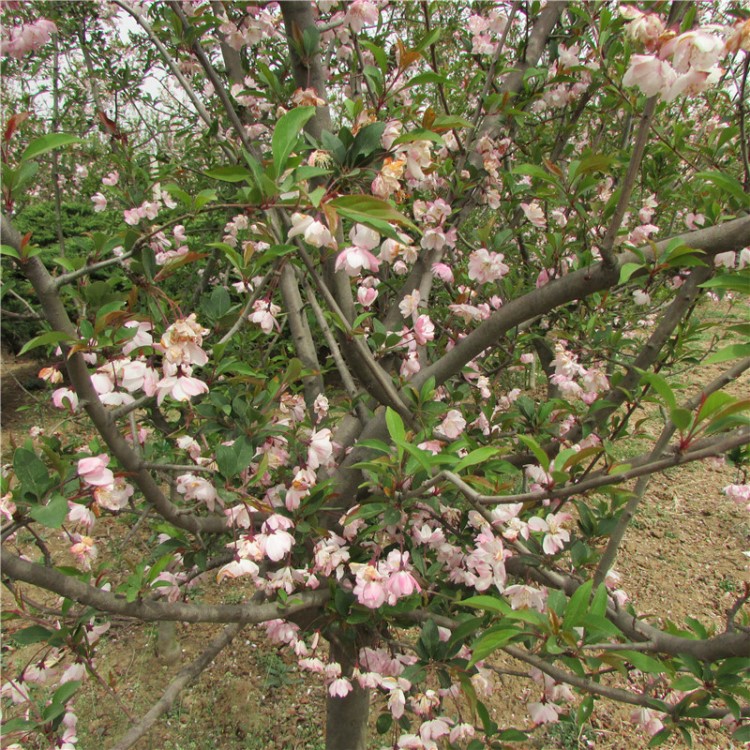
(153, 611)
(184, 677)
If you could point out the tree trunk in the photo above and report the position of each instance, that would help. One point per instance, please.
(346, 718)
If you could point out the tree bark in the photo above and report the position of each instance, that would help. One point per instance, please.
(346, 718)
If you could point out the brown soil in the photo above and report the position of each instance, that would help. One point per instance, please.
(682, 556)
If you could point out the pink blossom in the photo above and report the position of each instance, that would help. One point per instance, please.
(100, 202)
(182, 341)
(641, 298)
(409, 304)
(85, 551)
(7, 506)
(526, 597)
(648, 719)
(543, 713)
(314, 232)
(321, 406)
(113, 496)
(694, 221)
(320, 450)
(142, 336)
(111, 179)
(452, 425)
(28, 38)
(442, 272)
(65, 398)
(180, 388)
(424, 330)
(264, 315)
(361, 13)
(485, 266)
(555, 537)
(78, 513)
(93, 470)
(369, 589)
(534, 214)
(652, 75)
(366, 295)
(340, 688)
(236, 569)
(197, 488)
(355, 259)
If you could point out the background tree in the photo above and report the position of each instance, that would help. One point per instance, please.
(334, 238)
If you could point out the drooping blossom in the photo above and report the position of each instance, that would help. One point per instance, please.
(314, 232)
(264, 314)
(180, 388)
(320, 450)
(198, 488)
(358, 256)
(93, 470)
(113, 496)
(452, 425)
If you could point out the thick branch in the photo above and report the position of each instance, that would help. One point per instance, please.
(153, 611)
(308, 71)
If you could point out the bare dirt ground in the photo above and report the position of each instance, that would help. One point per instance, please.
(682, 556)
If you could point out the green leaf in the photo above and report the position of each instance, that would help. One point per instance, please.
(365, 143)
(420, 134)
(732, 282)
(32, 634)
(428, 40)
(477, 456)
(53, 514)
(660, 385)
(230, 174)
(425, 78)
(361, 208)
(733, 351)
(578, 605)
(65, 692)
(490, 603)
(627, 270)
(449, 122)
(8, 250)
(537, 172)
(285, 135)
(45, 339)
(395, 425)
(643, 662)
(423, 458)
(48, 143)
(681, 418)
(742, 735)
(490, 642)
(31, 472)
(726, 184)
(536, 449)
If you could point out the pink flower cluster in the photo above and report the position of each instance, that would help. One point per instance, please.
(686, 63)
(26, 38)
(387, 582)
(573, 379)
(181, 346)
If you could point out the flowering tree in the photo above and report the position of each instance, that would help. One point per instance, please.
(380, 290)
